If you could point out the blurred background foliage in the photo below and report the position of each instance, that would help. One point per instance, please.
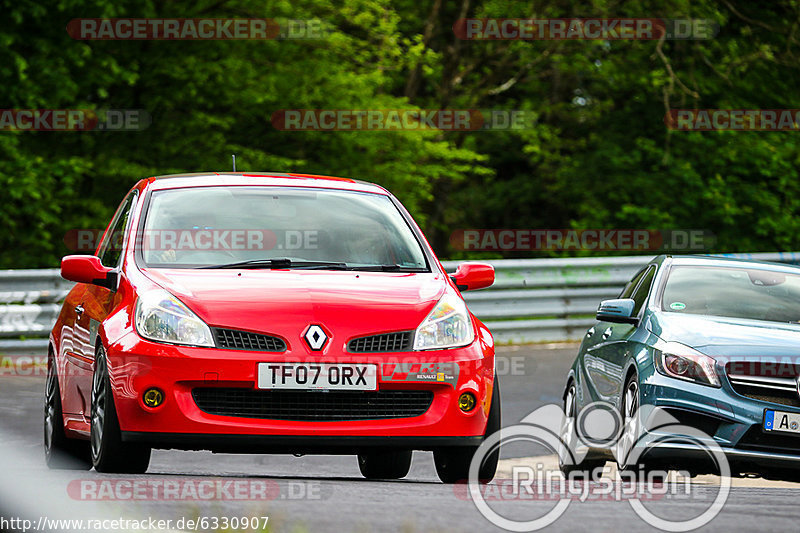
(598, 156)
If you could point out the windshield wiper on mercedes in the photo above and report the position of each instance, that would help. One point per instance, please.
(282, 262)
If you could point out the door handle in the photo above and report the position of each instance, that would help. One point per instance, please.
(607, 333)
(79, 310)
(590, 332)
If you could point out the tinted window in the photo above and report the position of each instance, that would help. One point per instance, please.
(207, 226)
(752, 293)
(628, 290)
(640, 295)
(111, 248)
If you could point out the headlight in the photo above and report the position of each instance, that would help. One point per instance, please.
(447, 326)
(678, 361)
(162, 317)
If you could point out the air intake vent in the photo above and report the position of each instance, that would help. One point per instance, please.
(233, 339)
(312, 405)
(387, 342)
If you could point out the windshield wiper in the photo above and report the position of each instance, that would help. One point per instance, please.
(282, 262)
(388, 268)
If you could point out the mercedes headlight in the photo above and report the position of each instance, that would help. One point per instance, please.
(163, 318)
(678, 361)
(447, 326)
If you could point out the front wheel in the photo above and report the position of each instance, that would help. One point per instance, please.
(630, 463)
(389, 464)
(109, 453)
(588, 467)
(452, 464)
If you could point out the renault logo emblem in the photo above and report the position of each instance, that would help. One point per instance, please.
(315, 337)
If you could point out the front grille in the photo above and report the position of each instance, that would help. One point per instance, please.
(767, 383)
(233, 339)
(387, 342)
(312, 406)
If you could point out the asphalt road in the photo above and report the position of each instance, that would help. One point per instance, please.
(327, 493)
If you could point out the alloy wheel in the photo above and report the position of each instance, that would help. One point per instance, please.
(98, 403)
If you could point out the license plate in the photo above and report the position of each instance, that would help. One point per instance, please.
(311, 376)
(781, 421)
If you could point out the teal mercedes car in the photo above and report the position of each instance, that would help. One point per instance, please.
(712, 342)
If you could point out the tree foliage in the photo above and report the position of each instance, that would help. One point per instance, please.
(598, 156)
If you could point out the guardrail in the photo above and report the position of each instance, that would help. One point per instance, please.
(538, 300)
(532, 300)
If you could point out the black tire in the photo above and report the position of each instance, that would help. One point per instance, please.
(452, 463)
(792, 475)
(60, 452)
(629, 405)
(109, 453)
(587, 467)
(385, 464)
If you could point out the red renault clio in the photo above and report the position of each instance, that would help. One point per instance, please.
(268, 313)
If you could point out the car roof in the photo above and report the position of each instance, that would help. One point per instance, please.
(276, 179)
(722, 261)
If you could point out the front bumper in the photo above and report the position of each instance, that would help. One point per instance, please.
(698, 458)
(731, 421)
(136, 365)
(298, 444)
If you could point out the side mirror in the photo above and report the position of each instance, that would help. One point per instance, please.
(471, 276)
(88, 269)
(620, 311)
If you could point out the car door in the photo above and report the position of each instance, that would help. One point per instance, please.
(601, 377)
(95, 305)
(70, 349)
(617, 346)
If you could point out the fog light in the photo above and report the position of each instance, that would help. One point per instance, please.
(467, 402)
(153, 398)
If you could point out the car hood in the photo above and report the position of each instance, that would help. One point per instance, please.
(727, 336)
(286, 302)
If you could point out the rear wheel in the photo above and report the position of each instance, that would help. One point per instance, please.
(388, 464)
(60, 452)
(452, 464)
(109, 453)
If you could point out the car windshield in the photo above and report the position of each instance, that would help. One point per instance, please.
(277, 227)
(750, 293)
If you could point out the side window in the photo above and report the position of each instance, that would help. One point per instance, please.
(111, 248)
(628, 290)
(641, 292)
